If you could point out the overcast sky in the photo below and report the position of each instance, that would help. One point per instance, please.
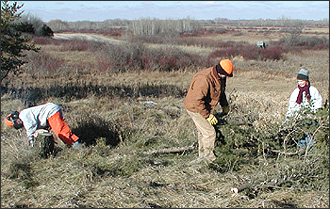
(72, 11)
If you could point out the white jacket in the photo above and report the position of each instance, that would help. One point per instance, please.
(316, 101)
(36, 117)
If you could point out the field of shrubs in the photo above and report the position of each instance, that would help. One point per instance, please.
(125, 102)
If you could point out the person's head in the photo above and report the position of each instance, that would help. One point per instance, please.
(225, 68)
(303, 77)
(13, 120)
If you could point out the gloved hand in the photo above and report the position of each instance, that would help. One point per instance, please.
(212, 120)
(42, 132)
(225, 110)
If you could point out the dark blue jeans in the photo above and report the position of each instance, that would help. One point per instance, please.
(305, 141)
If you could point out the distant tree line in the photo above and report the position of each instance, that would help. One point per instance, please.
(59, 25)
(137, 27)
(282, 22)
(148, 26)
(156, 26)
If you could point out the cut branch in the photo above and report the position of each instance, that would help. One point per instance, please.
(171, 150)
(259, 185)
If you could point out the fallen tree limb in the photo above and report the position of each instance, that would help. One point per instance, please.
(285, 153)
(300, 151)
(258, 186)
(171, 150)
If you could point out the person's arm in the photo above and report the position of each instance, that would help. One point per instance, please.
(30, 123)
(317, 99)
(200, 88)
(30, 128)
(292, 105)
(223, 98)
(224, 103)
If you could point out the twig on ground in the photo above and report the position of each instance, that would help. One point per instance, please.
(171, 150)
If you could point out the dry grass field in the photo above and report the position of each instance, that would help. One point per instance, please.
(122, 116)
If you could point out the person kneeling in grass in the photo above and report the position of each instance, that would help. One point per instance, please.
(303, 97)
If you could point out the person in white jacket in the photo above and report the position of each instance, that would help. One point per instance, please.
(304, 96)
(42, 117)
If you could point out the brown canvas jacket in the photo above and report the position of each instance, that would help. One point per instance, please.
(204, 92)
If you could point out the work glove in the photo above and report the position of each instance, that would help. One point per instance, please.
(225, 110)
(212, 120)
(42, 132)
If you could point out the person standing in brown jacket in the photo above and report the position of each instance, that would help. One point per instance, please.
(206, 90)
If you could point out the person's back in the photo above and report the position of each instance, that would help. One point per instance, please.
(199, 98)
(36, 117)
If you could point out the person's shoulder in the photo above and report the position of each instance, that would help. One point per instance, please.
(202, 73)
(204, 70)
(51, 104)
(314, 90)
(313, 87)
(24, 112)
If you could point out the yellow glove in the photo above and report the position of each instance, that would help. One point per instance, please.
(225, 110)
(212, 119)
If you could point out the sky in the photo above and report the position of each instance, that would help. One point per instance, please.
(72, 11)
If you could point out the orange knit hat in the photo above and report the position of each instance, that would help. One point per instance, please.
(8, 121)
(227, 67)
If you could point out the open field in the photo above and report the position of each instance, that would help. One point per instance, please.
(122, 116)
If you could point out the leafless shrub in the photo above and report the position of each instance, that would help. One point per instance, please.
(79, 45)
(114, 58)
(135, 57)
(42, 63)
(69, 45)
(306, 42)
(148, 39)
(42, 40)
(185, 41)
(217, 30)
(249, 53)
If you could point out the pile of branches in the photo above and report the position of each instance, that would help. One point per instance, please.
(292, 154)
